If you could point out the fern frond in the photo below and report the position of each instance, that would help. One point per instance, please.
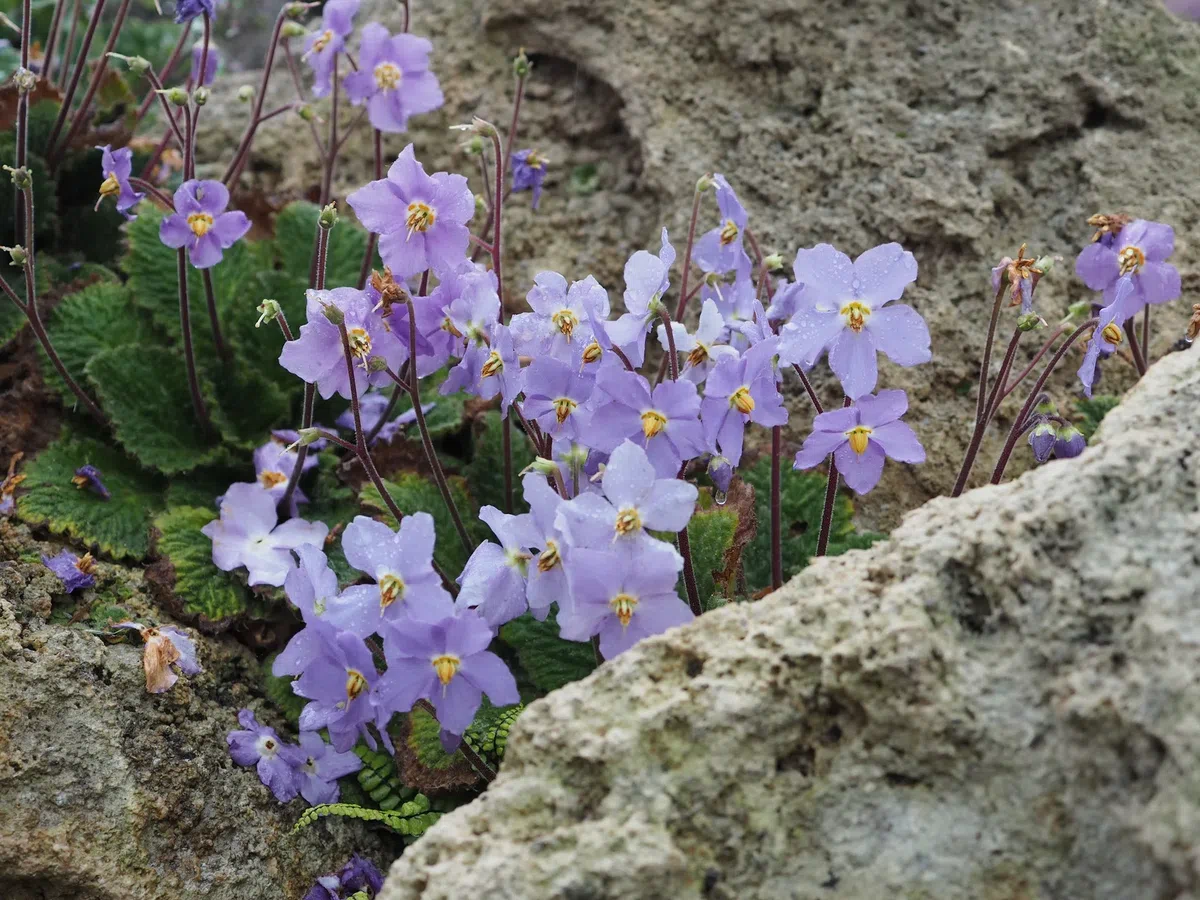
(411, 819)
(379, 780)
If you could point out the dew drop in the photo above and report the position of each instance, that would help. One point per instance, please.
(856, 284)
(719, 497)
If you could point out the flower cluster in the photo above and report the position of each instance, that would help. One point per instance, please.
(310, 768)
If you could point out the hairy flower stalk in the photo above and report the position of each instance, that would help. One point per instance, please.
(831, 487)
(189, 351)
(76, 74)
(242, 153)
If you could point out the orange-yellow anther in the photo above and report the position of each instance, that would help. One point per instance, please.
(360, 342)
(859, 438)
(356, 683)
(110, 187)
(271, 478)
(565, 321)
(856, 315)
(628, 521)
(653, 423)
(420, 217)
(446, 667)
(1112, 334)
(388, 76)
(741, 400)
(1131, 260)
(729, 232)
(623, 606)
(200, 223)
(494, 365)
(592, 352)
(391, 589)
(549, 557)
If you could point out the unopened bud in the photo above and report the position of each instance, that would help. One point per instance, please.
(267, 310)
(328, 217)
(1045, 406)
(703, 184)
(377, 364)
(246, 93)
(721, 473)
(1078, 311)
(480, 205)
(306, 113)
(21, 178)
(473, 147)
(476, 126)
(1069, 442)
(521, 64)
(308, 436)
(1041, 441)
(293, 30)
(200, 95)
(1030, 322)
(1045, 263)
(541, 466)
(296, 10)
(774, 262)
(17, 253)
(333, 314)
(24, 80)
(176, 95)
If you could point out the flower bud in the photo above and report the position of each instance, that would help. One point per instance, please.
(200, 96)
(308, 436)
(328, 217)
(246, 93)
(721, 473)
(1045, 406)
(296, 10)
(1069, 442)
(480, 205)
(293, 30)
(21, 178)
(774, 262)
(1030, 322)
(1078, 311)
(1041, 441)
(704, 184)
(473, 147)
(17, 253)
(542, 466)
(521, 64)
(176, 95)
(24, 80)
(333, 314)
(1045, 263)
(267, 310)
(306, 112)
(377, 364)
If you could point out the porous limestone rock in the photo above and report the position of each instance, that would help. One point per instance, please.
(110, 793)
(1000, 702)
(960, 129)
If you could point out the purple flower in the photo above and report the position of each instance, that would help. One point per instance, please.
(548, 578)
(371, 407)
(361, 874)
(1041, 440)
(447, 663)
(1107, 336)
(117, 166)
(555, 395)
(623, 596)
(493, 580)
(322, 48)
(1069, 442)
(276, 762)
(499, 370)
(635, 499)
(245, 535)
(560, 324)
(646, 280)
(665, 422)
(186, 10)
(318, 355)
(73, 571)
(421, 219)
(90, 477)
(213, 65)
(435, 322)
(312, 588)
(320, 767)
(860, 437)
(702, 348)
(736, 304)
(741, 390)
(528, 173)
(1138, 252)
(166, 649)
(579, 464)
(338, 681)
(273, 467)
(201, 224)
(786, 303)
(401, 564)
(721, 250)
(844, 311)
(394, 80)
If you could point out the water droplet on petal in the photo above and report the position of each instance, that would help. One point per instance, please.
(856, 284)
(719, 497)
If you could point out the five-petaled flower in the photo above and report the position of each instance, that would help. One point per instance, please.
(260, 746)
(246, 534)
(201, 224)
(117, 167)
(1137, 252)
(321, 49)
(394, 80)
(528, 173)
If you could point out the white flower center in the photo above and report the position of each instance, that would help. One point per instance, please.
(388, 76)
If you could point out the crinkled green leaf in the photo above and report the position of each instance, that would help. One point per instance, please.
(200, 587)
(1092, 411)
(152, 269)
(802, 503)
(549, 660)
(119, 526)
(145, 393)
(485, 472)
(413, 493)
(295, 234)
(245, 405)
(12, 320)
(203, 486)
(711, 535)
(424, 739)
(278, 689)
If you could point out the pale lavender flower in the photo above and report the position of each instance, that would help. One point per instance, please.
(741, 390)
(547, 582)
(623, 595)
(493, 580)
(647, 278)
(556, 396)
(702, 348)
(1107, 336)
(246, 535)
(447, 663)
(786, 303)
(312, 588)
(260, 746)
(844, 311)
(721, 249)
(735, 302)
(321, 49)
(393, 79)
(561, 322)
(635, 499)
(1138, 252)
(318, 355)
(212, 66)
(273, 467)
(500, 370)
(89, 476)
(665, 422)
(319, 768)
(421, 219)
(117, 166)
(73, 571)
(201, 224)
(339, 683)
(860, 437)
(528, 173)
(401, 563)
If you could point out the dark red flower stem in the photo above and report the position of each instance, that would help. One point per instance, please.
(985, 366)
(672, 354)
(189, 352)
(1019, 424)
(65, 69)
(260, 97)
(830, 499)
(776, 509)
(156, 81)
(52, 38)
(991, 404)
(76, 74)
(1012, 385)
(689, 573)
(373, 239)
(1139, 358)
(808, 388)
(685, 276)
(19, 233)
(1146, 331)
(148, 188)
(214, 320)
(172, 121)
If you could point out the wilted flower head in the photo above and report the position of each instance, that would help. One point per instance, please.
(394, 80)
(89, 476)
(117, 167)
(528, 173)
(73, 571)
(421, 219)
(246, 535)
(860, 437)
(1020, 275)
(166, 649)
(845, 312)
(1138, 252)
(9, 484)
(259, 746)
(201, 224)
(322, 48)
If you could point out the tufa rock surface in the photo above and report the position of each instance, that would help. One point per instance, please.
(958, 129)
(110, 793)
(1000, 702)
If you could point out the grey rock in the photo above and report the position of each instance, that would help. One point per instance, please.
(1000, 701)
(959, 129)
(110, 793)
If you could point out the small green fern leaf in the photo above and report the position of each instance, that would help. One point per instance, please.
(379, 780)
(411, 819)
(489, 737)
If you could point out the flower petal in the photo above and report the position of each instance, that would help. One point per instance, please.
(860, 470)
(852, 358)
(817, 446)
(901, 334)
(886, 406)
(899, 442)
(1097, 266)
(883, 273)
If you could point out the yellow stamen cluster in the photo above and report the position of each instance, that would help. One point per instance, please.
(1131, 260)
(1112, 334)
(741, 400)
(859, 438)
(391, 589)
(388, 76)
(450, 328)
(321, 42)
(200, 223)
(566, 322)
(856, 315)
(563, 407)
(446, 667)
(628, 521)
(271, 478)
(729, 233)
(653, 423)
(1107, 224)
(592, 352)
(493, 365)
(110, 187)
(420, 217)
(86, 564)
(698, 356)
(356, 684)
(360, 342)
(623, 606)
(549, 557)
